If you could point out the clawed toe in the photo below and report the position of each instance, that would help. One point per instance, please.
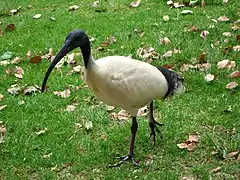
(125, 159)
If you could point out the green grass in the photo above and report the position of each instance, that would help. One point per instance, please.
(78, 153)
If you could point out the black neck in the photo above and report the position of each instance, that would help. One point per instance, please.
(86, 51)
(171, 84)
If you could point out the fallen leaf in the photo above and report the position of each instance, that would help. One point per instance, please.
(41, 131)
(52, 18)
(165, 40)
(1, 32)
(231, 85)
(238, 158)
(30, 90)
(28, 55)
(21, 102)
(191, 146)
(14, 89)
(88, 125)
(209, 77)
(35, 59)
(235, 74)
(4, 63)
(77, 68)
(194, 29)
(14, 11)
(71, 108)
(223, 19)
(121, 115)
(3, 131)
(227, 34)
(95, 4)
(223, 64)
(231, 65)
(2, 107)
(204, 34)
(78, 125)
(7, 55)
(232, 154)
(149, 159)
(37, 16)
(193, 3)
(215, 170)
(64, 94)
(193, 138)
(225, 1)
(16, 60)
(236, 48)
(73, 8)
(186, 12)
(110, 108)
(1, 97)
(18, 72)
(182, 145)
(135, 3)
(10, 27)
(46, 155)
(166, 18)
(168, 54)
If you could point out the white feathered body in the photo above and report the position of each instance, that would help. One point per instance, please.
(123, 82)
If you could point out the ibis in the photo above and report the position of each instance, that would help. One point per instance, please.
(122, 82)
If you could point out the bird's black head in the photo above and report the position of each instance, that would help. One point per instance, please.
(175, 81)
(76, 38)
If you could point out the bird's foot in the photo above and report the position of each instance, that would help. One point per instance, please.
(153, 127)
(123, 159)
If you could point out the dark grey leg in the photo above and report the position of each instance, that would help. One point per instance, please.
(153, 125)
(130, 155)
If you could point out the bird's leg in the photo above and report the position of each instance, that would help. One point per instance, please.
(130, 155)
(153, 125)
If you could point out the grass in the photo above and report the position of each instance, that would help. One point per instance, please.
(82, 154)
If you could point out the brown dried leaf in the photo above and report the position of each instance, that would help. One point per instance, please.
(1, 97)
(223, 19)
(4, 63)
(165, 40)
(231, 85)
(8, 71)
(191, 146)
(88, 125)
(121, 115)
(3, 131)
(232, 154)
(215, 170)
(46, 155)
(223, 64)
(1, 32)
(64, 94)
(193, 138)
(166, 18)
(30, 90)
(14, 89)
(235, 74)
(10, 27)
(2, 107)
(18, 72)
(35, 59)
(135, 4)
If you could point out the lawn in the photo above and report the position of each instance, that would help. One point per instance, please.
(45, 141)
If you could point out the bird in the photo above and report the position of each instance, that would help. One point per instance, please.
(122, 82)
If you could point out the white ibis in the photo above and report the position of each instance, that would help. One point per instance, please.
(122, 82)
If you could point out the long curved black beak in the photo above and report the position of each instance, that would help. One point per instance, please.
(59, 56)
